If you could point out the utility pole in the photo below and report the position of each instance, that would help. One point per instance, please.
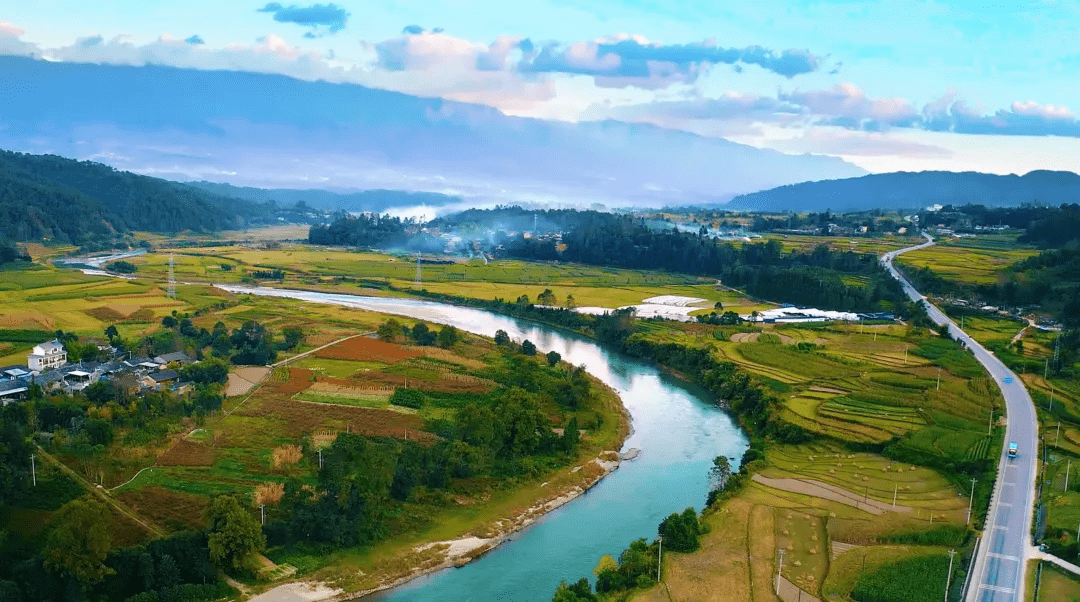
(1068, 468)
(1058, 435)
(895, 485)
(1051, 397)
(659, 557)
(1046, 369)
(172, 279)
(939, 378)
(262, 513)
(971, 498)
(990, 427)
(33, 470)
(948, 578)
(780, 569)
(419, 276)
(320, 459)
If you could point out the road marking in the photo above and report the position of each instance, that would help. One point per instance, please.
(1006, 504)
(1008, 484)
(998, 588)
(1002, 527)
(1002, 556)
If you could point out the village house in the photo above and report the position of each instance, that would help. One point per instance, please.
(47, 356)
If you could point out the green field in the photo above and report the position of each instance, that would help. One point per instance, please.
(969, 260)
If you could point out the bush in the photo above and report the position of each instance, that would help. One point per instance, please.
(408, 398)
(121, 267)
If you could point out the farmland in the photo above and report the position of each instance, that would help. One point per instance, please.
(845, 517)
(339, 270)
(969, 260)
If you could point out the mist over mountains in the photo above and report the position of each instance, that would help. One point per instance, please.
(272, 131)
(911, 190)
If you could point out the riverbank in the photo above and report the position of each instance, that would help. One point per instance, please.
(399, 563)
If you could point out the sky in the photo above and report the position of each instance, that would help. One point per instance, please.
(889, 85)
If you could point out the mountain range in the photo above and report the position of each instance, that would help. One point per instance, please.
(910, 190)
(252, 129)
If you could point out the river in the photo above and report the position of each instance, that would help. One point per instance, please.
(676, 429)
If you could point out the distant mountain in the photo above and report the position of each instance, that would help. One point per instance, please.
(46, 196)
(362, 200)
(907, 190)
(277, 132)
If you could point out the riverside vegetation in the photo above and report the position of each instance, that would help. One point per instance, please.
(353, 468)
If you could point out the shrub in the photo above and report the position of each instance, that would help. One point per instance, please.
(408, 398)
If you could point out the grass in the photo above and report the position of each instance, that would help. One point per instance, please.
(1057, 585)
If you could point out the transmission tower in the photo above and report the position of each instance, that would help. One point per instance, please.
(172, 279)
(419, 276)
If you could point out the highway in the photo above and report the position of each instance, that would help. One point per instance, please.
(998, 569)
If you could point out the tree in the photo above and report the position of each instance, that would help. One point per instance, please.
(553, 358)
(546, 298)
(581, 591)
(112, 332)
(570, 303)
(528, 348)
(681, 531)
(80, 540)
(719, 473)
(422, 335)
(389, 330)
(448, 335)
(571, 435)
(294, 335)
(718, 305)
(501, 338)
(233, 532)
(169, 322)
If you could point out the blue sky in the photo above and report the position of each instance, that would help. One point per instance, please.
(888, 85)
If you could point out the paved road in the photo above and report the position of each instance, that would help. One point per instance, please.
(1006, 542)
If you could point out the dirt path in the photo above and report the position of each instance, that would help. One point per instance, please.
(830, 492)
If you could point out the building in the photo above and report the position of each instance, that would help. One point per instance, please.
(178, 357)
(47, 356)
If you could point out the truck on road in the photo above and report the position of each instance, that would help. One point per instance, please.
(1012, 449)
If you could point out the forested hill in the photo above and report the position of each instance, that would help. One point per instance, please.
(908, 190)
(46, 196)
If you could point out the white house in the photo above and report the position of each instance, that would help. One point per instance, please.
(47, 356)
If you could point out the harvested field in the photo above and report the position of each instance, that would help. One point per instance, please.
(105, 314)
(350, 389)
(252, 373)
(364, 349)
(302, 418)
(187, 453)
(171, 509)
(243, 379)
(28, 320)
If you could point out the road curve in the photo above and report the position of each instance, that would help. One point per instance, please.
(998, 568)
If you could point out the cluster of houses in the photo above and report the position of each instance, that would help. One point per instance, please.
(47, 366)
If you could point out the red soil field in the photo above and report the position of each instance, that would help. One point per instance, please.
(363, 349)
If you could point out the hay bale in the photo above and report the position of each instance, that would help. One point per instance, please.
(269, 493)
